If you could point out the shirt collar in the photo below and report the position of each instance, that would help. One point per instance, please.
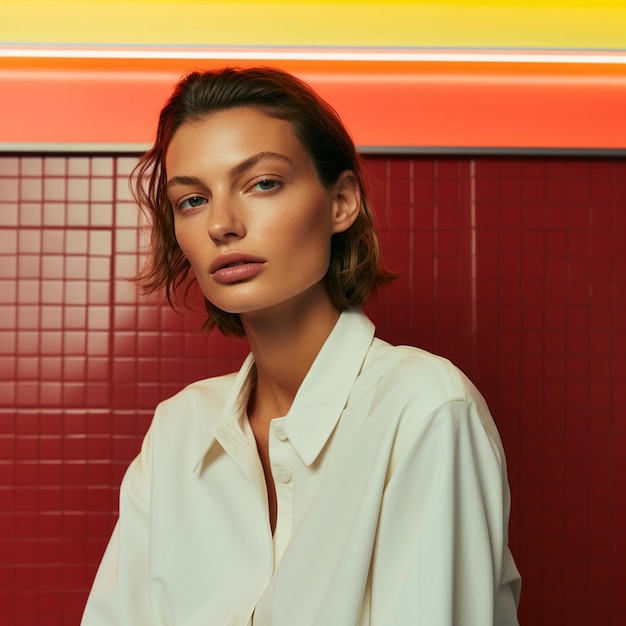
(325, 391)
(322, 396)
(233, 409)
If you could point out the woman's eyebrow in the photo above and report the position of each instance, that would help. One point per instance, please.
(235, 171)
(184, 180)
(251, 161)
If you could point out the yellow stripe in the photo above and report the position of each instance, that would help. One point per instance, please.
(544, 24)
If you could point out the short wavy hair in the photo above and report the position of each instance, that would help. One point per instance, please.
(355, 269)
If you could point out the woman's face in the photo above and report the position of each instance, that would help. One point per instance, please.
(250, 213)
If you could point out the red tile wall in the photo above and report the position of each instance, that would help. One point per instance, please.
(515, 268)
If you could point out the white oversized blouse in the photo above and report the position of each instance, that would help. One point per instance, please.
(393, 503)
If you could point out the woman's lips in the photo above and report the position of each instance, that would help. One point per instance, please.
(233, 267)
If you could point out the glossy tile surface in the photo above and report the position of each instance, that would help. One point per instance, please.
(515, 268)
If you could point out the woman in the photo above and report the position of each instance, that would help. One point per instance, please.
(334, 480)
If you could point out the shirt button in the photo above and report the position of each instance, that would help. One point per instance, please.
(236, 620)
(279, 432)
(284, 475)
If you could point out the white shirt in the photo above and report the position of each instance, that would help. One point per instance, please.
(393, 502)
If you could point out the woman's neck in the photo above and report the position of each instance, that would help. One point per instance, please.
(285, 342)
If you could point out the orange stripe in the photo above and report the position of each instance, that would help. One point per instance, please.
(445, 104)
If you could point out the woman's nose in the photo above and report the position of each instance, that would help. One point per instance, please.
(225, 222)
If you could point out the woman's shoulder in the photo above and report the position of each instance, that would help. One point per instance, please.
(205, 396)
(418, 375)
(415, 385)
(183, 424)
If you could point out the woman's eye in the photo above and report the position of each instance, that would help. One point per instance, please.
(267, 184)
(192, 203)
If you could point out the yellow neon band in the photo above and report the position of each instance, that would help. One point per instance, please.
(529, 24)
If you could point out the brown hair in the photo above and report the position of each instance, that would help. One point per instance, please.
(355, 269)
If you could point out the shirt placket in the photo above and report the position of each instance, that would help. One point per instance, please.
(281, 459)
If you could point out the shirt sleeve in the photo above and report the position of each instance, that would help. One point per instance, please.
(119, 594)
(441, 556)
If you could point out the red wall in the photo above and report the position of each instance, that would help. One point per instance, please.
(513, 267)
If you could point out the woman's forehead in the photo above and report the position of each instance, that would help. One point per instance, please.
(230, 137)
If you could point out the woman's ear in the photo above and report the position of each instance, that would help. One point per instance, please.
(346, 201)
